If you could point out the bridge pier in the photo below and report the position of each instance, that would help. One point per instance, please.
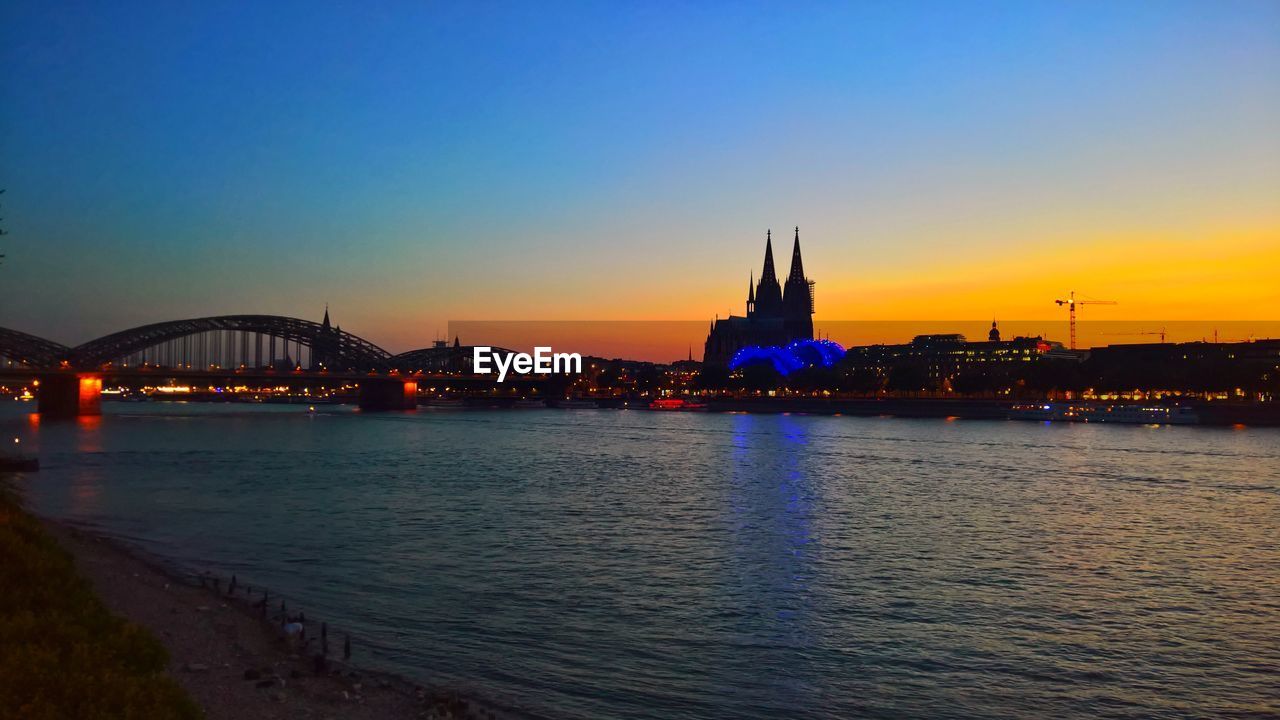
(70, 394)
(388, 394)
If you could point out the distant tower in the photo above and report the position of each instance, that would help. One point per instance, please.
(751, 294)
(797, 298)
(325, 346)
(768, 290)
(994, 335)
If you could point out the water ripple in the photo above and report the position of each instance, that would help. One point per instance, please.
(651, 565)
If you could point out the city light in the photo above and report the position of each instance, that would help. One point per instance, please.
(792, 357)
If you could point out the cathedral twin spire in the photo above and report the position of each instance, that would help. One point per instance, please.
(766, 297)
(768, 276)
(797, 265)
(775, 316)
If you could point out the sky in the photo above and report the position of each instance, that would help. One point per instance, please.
(415, 163)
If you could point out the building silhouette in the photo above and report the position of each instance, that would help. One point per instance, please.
(777, 314)
(326, 348)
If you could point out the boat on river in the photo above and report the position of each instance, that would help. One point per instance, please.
(676, 404)
(1123, 413)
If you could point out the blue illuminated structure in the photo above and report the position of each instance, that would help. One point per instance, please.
(787, 359)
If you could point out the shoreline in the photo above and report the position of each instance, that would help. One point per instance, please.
(226, 651)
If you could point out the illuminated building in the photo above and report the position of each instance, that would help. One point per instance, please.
(786, 359)
(940, 359)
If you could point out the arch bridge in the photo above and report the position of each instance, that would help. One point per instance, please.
(30, 351)
(258, 341)
(71, 377)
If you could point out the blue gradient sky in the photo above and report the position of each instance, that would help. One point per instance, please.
(426, 161)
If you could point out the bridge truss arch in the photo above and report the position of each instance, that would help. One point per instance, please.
(252, 341)
(18, 349)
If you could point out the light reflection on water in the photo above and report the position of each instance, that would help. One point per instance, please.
(652, 565)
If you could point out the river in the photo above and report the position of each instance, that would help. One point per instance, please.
(632, 564)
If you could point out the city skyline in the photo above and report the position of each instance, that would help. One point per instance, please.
(437, 164)
(393, 360)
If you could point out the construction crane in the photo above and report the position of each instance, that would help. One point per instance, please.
(1217, 339)
(1071, 302)
(1160, 332)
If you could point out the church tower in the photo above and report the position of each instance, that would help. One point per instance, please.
(768, 292)
(325, 347)
(797, 299)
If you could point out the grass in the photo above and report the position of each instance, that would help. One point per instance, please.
(62, 653)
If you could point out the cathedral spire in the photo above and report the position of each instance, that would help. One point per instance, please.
(325, 324)
(797, 265)
(768, 300)
(768, 275)
(751, 287)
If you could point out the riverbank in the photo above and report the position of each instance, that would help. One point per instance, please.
(62, 652)
(231, 661)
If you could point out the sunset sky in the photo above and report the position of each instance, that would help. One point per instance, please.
(425, 162)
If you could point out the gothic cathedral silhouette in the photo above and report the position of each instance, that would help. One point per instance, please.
(777, 314)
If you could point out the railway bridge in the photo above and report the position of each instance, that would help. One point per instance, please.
(284, 350)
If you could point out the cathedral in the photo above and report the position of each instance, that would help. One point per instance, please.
(777, 314)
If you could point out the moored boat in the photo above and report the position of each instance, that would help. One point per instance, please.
(1145, 414)
(1125, 413)
(676, 404)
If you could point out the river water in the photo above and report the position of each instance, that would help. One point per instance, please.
(632, 564)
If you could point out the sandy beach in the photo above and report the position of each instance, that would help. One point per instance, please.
(232, 662)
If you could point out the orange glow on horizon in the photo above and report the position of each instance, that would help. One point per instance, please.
(1218, 276)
